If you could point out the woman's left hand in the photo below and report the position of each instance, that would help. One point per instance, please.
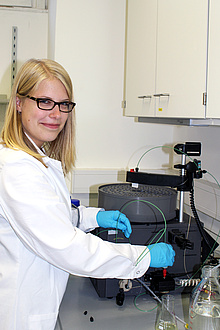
(114, 219)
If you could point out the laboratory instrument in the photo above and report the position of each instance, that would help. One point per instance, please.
(143, 199)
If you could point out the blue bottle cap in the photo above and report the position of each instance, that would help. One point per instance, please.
(75, 202)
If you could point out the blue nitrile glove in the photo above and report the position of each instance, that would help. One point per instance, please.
(114, 219)
(162, 255)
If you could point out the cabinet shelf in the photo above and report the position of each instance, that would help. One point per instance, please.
(180, 121)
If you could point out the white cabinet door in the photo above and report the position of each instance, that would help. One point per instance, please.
(141, 57)
(166, 58)
(213, 80)
(181, 58)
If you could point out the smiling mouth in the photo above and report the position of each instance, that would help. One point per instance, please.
(51, 126)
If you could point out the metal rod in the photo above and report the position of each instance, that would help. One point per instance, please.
(181, 201)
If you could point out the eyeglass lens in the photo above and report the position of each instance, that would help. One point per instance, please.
(47, 104)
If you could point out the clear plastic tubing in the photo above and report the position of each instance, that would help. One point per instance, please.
(204, 311)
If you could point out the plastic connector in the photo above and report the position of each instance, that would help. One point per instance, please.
(177, 237)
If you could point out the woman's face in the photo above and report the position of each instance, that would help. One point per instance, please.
(40, 125)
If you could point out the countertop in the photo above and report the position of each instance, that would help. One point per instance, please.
(82, 308)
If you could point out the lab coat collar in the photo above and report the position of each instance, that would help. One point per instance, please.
(47, 160)
(40, 151)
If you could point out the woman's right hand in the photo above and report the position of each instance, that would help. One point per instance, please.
(162, 255)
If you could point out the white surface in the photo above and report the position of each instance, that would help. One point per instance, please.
(81, 296)
(95, 34)
(213, 57)
(141, 57)
(88, 180)
(16, 3)
(166, 54)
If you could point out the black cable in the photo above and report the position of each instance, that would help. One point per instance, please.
(208, 240)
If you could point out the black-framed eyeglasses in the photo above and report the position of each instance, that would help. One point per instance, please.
(48, 104)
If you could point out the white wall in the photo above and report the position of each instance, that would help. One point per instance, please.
(209, 137)
(89, 42)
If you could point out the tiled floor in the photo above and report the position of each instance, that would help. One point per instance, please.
(83, 309)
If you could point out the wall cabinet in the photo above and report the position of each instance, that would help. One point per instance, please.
(213, 74)
(166, 58)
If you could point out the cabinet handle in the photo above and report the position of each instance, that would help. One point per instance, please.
(145, 97)
(161, 94)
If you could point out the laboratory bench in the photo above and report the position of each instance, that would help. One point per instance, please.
(82, 308)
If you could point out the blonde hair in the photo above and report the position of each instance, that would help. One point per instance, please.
(30, 75)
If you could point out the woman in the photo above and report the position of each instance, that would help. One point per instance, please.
(39, 241)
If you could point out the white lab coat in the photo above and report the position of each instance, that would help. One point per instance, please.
(40, 246)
